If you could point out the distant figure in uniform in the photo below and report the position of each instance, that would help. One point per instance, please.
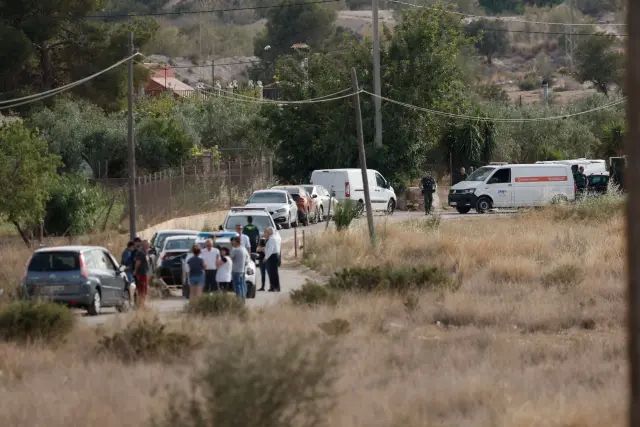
(462, 175)
(253, 233)
(581, 182)
(428, 188)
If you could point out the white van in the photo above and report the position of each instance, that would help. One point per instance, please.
(513, 186)
(591, 167)
(347, 185)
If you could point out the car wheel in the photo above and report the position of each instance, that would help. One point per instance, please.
(125, 305)
(287, 224)
(391, 207)
(463, 209)
(483, 205)
(96, 305)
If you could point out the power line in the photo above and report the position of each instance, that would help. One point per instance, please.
(501, 18)
(557, 33)
(330, 95)
(195, 12)
(16, 102)
(250, 100)
(497, 119)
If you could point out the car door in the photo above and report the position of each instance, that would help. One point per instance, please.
(109, 277)
(382, 195)
(500, 188)
(119, 282)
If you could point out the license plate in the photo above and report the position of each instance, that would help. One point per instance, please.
(51, 289)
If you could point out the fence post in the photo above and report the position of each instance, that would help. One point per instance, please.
(229, 182)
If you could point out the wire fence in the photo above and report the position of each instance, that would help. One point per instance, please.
(197, 188)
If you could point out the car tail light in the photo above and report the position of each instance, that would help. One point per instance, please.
(83, 267)
(347, 190)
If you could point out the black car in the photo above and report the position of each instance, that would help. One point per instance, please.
(86, 277)
(598, 184)
(170, 270)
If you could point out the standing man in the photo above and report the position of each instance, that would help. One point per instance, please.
(428, 188)
(252, 232)
(263, 263)
(244, 239)
(127, 260)
(141, 272)
(239, 257)
(462, 175)
(272, 256)
(210, 255)
(581, 182)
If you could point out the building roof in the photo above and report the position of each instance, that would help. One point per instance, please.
(171, 83)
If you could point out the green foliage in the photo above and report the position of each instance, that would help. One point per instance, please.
(470, 143)
(313, 294)
(147, 340)
(76, 206)
(162, 142)
(493, 92)
(285, 379)
(377, 279)
(490, 37)
(591, 208)
(598, 62)
(27, 171)
(345, 213)
(612, 139)
(514, 6)
(529, 82)
(218, 304)
(28, 321)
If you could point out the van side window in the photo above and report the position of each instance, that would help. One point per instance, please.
(380, 181)
(502, 176)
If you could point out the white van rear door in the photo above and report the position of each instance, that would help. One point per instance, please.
(500, 188)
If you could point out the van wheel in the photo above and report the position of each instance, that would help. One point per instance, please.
(360, 209)
(483, 205)
(391, 207)
(463, 209)
(96, 305)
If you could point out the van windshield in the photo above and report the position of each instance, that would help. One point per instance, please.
(480, 175)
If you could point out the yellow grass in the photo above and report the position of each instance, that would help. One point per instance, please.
(510, 348)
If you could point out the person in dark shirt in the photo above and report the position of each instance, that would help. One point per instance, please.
(141, 271)
(428, 188)
(127, 259)
(196, 274)
(253, 233)
(581, 182)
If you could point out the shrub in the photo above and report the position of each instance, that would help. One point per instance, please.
(591, 208)
(313, 294)
(217, 304)
(564, 276)
(397, 279)
(147, 340)
(345, 213)
(530, 82)
(336, 327)
(33, 321)
(280, 380)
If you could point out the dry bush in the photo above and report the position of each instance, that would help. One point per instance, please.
(335, 327)
(390, 279)
(27, 321)
(251, 381)
(217, 304)
(313, 294)
(147, 340)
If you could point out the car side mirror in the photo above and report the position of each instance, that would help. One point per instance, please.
(315, 196)
(122, 269)
(220, 227)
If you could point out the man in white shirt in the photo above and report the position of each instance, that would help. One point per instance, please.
(245, 242)
(210, 256)
(272, 257)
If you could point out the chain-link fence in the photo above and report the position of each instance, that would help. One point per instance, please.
(196, 188)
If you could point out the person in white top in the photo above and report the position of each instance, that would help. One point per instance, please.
(223, 274)
(245, 242)
(272, 257)
(210, 255)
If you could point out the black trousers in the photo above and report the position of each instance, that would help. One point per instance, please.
(263, 272)
(210, 284)
(272, 270)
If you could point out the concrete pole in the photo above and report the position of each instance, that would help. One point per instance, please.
(377, 81)
(132, 148)
(363, 156)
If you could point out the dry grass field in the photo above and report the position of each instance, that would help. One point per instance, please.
(534, 335)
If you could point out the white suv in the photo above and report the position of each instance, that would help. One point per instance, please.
(278, 203)
(260, 218)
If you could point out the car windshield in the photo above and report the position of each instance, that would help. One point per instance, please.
(271, 197)
(480, 175)
(261, 222)
(55, 261)
(308, 188)
(180, 244)
(162, 237)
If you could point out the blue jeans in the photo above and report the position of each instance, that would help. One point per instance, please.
(239, 285)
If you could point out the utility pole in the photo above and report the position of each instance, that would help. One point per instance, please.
(572, 40)
(377, 83)
(363, 156)
(632, 175)
(132, 148)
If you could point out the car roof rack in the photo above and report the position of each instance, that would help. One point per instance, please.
(251, 209)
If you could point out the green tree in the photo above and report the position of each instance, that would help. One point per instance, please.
(490, 37)
(27, 171)
(162, 142)
(470, 143)
(598, 62)
(313, 24)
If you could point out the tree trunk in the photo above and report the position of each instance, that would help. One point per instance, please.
(23, 234)
(46, 67)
